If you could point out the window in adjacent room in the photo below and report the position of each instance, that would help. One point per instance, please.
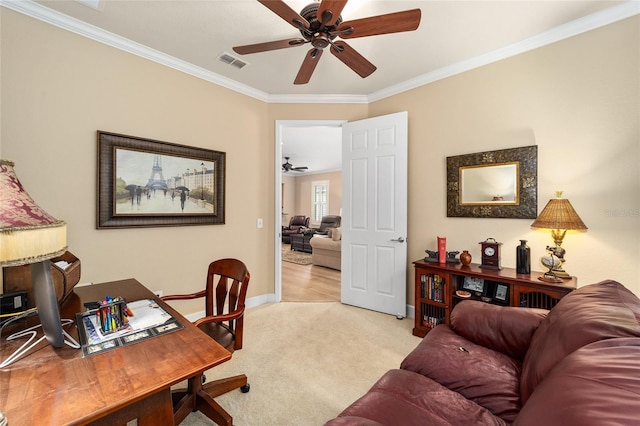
(320, 199)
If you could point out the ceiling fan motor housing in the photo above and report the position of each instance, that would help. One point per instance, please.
(310, 13)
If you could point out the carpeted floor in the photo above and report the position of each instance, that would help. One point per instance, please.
(293, 256)
(306, 362)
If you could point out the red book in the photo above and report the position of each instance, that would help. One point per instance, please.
(442, 250)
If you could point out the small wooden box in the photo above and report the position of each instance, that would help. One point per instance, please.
(18, 278)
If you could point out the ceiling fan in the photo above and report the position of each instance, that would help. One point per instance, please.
(287, 167)
(320, 24)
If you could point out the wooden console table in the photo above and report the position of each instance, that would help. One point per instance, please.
(58, 386)
(436, 287)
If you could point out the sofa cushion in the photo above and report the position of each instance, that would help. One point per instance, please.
(599, 384)
(504, 329)
(486, 377)
(336, 235)
(405, 398)
(591, 313)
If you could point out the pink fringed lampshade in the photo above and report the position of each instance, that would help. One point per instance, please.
(28, 234)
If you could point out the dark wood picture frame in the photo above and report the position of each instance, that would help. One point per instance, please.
(501, 292)
(526, 206)
(474, 285)
(208, 167)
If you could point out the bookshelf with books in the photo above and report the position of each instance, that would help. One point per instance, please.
(439, 287)
(432, 298)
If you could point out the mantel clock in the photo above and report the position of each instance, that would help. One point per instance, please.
(490, 251)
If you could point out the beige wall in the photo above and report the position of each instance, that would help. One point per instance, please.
(578, 100)
(288, 198)
(304, 195)
(296, 194)
(59, 88)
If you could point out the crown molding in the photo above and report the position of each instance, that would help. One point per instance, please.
(318, 99)
(570, 29)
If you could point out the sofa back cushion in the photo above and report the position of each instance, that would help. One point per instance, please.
(329, 221)
(507, 330)
(591, 313)
(599, 384)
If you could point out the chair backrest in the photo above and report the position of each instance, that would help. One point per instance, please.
(227, 283)
(330, 221)
(299, 221)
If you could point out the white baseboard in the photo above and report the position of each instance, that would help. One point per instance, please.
(252, 302)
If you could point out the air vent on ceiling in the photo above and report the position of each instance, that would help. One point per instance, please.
(94, 4)
(231, 60)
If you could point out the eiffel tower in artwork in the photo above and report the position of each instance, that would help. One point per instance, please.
(156, 181)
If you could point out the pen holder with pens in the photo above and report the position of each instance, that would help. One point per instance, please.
(112, 315)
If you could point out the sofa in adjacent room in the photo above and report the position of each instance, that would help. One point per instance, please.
(328, 222)
(578, 364)
(327, 250)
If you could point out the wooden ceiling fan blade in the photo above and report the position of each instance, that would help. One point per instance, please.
(396, 22)
(351, 58)
(281, 9)
(269, 45)
(330, 10)
(308, 66)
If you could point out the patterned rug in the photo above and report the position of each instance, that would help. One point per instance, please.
(299, 257)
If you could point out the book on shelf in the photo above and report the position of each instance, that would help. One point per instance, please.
(431, 322)
(432, 287)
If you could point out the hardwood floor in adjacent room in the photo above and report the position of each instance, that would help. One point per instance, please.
(309, 283)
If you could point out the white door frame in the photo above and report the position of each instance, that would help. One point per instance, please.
(280, 125)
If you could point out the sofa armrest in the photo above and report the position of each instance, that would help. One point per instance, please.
(504, 329)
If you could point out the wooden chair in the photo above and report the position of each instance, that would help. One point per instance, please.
(225, 303)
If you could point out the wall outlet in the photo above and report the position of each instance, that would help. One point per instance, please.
(259, 222)
(158, 293)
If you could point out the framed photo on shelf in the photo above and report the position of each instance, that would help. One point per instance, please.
(473, 284)
(147, 183)
(502, 292)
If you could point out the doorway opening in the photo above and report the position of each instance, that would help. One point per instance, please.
(303, 282)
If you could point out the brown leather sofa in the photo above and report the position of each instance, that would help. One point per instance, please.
(578, 364)
(296, 225)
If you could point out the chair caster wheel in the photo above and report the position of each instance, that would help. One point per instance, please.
(245, 388)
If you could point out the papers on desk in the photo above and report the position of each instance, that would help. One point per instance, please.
(148, 320)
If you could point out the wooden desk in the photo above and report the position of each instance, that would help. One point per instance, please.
(58, 386)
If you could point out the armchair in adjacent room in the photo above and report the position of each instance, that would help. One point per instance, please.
(225, 294)
(328, 222)
(296, 224)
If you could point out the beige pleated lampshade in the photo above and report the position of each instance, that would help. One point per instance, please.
(28, 234)
(559, 214)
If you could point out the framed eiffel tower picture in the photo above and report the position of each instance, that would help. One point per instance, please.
(149, 183)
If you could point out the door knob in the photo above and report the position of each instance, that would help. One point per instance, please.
(399, 240)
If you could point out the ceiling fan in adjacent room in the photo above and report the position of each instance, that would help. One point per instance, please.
(320, 24)
(287, 167)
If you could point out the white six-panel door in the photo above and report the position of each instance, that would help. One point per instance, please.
(374, 213)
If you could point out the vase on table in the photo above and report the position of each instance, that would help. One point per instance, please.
(523, 258)
(465, 257)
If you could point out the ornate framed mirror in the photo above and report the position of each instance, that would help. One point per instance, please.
(494, 184)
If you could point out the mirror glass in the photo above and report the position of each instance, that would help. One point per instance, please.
(489, 184)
